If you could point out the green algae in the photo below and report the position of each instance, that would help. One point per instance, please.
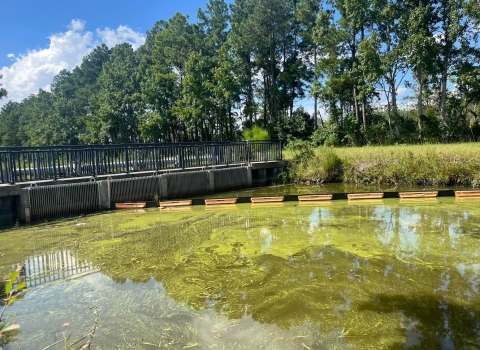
(389, 275)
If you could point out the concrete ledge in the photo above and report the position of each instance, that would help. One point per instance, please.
(268, 165)
(9, 190)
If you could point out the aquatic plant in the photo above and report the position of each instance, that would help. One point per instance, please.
(11, 291)
(87, 339)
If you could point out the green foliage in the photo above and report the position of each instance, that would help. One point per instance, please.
(3, 92)
(251, 62)
(307, 164)
(331, 166)
(327, 135)
(119, 97)
(298, 126)
(255, 133)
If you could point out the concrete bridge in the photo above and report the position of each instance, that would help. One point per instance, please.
(44, 182)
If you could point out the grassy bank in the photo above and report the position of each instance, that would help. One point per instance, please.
(437, 165)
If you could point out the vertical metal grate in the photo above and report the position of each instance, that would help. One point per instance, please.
(63, 200)
(135, 189)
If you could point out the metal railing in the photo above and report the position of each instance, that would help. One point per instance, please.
(20, 164)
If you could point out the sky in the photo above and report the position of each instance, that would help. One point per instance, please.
(40, 38)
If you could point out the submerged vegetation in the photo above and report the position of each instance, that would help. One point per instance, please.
(15, 287)
(291, 277)
(415, 165)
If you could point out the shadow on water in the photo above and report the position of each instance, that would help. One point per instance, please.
(366, 276)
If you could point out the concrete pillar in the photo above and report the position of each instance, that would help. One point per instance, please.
(23, 206)
(163, 187)
(103, 194)
(211, 181)
(249, 176)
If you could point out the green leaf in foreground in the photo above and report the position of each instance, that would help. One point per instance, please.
(10, 327)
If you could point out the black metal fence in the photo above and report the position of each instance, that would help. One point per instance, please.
(20, 164)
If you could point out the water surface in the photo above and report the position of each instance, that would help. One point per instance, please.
(381, 275)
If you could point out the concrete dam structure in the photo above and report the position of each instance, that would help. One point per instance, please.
(47, 183)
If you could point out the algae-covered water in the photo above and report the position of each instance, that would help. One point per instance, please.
(381, 275)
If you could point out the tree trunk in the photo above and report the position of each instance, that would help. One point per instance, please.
(443, 92)
(395, 109)
(315, 97)
(364, 100)
(355, 103)
(364, 113)
(265, 98)
(273, 92)
(357, 112)
(420, 101)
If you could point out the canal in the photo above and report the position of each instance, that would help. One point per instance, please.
(334, 275)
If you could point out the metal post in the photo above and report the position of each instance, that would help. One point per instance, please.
(229, 154)
(180, 157)
(94, 155)
(54, 168)
(155, 157)
(214, 155)
(1, 170)
(127, 161)
(78, 164)
(11, 170)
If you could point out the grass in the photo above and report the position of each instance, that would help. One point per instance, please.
(458, 150)
(438, 165)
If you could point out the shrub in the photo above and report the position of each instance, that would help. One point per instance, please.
(300, 154)
(256, 133)
(305, 165)
(332, 166)
(327, 135)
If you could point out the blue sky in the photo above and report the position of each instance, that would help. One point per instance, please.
(39, 38)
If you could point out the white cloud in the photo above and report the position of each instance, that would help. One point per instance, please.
(122, 34)
(35, 69)
(77, 25)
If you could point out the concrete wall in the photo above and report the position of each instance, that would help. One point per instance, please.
(41, 202)
(231, 179)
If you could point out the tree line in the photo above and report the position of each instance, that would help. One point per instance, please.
(252, 62)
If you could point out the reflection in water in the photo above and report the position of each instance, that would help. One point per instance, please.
(365, 276)
(53, 266)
